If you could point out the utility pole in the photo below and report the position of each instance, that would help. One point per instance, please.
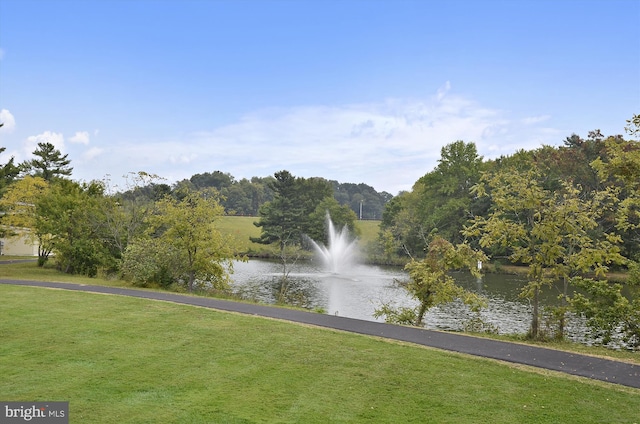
(361, 210)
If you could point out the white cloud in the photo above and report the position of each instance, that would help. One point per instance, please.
(183, 159)
(442, 91)
(92, 153)
(80, 137)
(535, 119)
(8, 120)
(388, 145)
(31, 143)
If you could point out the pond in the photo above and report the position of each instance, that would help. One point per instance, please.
(358, 292)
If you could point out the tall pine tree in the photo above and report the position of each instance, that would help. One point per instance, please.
(49, 163)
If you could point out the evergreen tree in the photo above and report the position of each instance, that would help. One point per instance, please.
(48, 164)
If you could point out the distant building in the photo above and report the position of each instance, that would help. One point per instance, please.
(18, 245)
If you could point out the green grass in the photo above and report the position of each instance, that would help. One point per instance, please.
(30, 271)
(241, 228)
(128, 360)
(368, 231)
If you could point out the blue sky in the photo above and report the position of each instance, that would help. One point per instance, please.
(350, 90)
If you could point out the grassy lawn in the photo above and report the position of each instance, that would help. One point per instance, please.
(30, 271)
(241, 228)
(127, 360)
(368, 231)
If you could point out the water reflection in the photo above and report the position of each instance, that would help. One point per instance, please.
(361, 290)
(354, 294)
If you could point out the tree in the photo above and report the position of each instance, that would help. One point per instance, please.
(8, 172)
(440, 202)
(285, 219)
(614, 309)
(149, 262)
(20, 205)
(401, 232)
(62, 217)
(444, 199)
(609, 311)
(619, 168)
(49, 164)
(555, 232)
(633, 126)
(569, 162)
(185, 227)
(73, 216)
(430, 283)
(281, 219)
(215, 179)
(124, 213)
(341, 216)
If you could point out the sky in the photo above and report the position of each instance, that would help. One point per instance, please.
(358, 91)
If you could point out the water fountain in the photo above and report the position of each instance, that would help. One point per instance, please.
(340, 254)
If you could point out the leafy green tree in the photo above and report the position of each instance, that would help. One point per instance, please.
(216, 179)
(149, 262)
(245, 197)
(613, 309)
(555, 232)
(21, 212)
(609, 311)
(445, 202)
(401, 232)
(144, 188)
(583, 247)
(440, 202)
(237, 198)
(48, 164)
(72, 214)
(619, 168)
(430, 283)
(124, 213)
(569, 162)
(185, 229)
(341, 215)
(62, 217)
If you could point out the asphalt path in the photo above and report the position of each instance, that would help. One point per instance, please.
(611, 371)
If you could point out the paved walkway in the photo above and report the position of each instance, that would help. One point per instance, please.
(582, 365)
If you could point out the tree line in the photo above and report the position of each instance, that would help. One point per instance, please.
(244, 197)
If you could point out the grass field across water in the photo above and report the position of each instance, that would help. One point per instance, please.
(129, 360)
(241, 228)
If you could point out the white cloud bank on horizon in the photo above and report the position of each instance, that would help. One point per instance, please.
(387, 145)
